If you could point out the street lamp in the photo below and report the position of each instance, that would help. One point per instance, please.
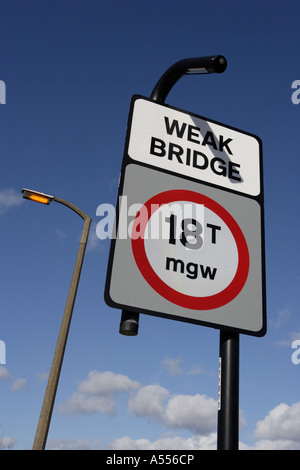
(129, 323)
(49, 398)
(36, 196)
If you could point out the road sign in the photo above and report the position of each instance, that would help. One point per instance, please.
(192, 248)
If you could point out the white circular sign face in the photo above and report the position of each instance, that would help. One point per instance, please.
(190, 250)
(196, 253)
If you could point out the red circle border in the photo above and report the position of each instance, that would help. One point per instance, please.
(163, 289)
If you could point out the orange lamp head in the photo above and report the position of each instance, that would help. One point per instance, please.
(37, 196)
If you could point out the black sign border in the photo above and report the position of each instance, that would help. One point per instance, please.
(259, 198)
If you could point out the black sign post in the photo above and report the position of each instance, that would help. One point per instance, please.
(228, 410)
(228, 402)
(228, 399)
(129, 324)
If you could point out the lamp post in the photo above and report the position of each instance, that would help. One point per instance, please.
(129, 324)
(49, 398)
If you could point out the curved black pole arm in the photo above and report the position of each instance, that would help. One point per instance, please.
(195, 65)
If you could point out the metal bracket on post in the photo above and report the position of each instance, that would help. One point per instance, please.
(129, 325)
(190, 66)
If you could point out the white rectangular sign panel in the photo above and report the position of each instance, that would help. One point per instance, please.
(195, 147)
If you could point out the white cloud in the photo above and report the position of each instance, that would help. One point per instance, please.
(66, 444)
(172, 365)
(194, 413)
(80, 404)
(175, 366)
(197, 413)
(97, 393)
(198, 369)
(99, 383)
(281, 317)
(61, 235)
(267, 444)
(287, 342)
(94, 243)
(126, 443)
(7, 443)
(9, 198)
(149, 401)
(281, 424)
(4, 374)
(42, 376)
(208, 442)
(19, 384)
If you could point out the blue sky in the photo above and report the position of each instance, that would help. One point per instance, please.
(70, 69)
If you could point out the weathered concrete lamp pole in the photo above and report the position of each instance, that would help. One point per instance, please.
(49, 398)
